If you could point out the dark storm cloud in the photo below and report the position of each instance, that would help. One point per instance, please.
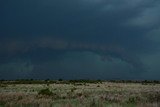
(43, 30)
(17, 47)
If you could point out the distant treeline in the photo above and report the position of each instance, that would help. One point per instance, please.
(82, 81)
(136, 81)
(47, 81)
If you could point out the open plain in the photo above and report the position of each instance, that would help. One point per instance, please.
(104, 94)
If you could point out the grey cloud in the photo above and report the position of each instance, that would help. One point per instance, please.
(112, 29)
(110, 50)
(16, 69)
(80, 65)
(147, 18)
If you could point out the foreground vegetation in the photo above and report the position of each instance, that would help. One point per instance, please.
(79, 93)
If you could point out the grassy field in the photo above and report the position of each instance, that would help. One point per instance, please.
(105, 94)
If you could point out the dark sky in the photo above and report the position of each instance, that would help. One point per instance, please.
(80, 39)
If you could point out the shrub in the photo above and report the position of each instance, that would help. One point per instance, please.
(133, 99)
(73, 89)
(98, 85)
(92, 103)
(3, 85)
(45, 92)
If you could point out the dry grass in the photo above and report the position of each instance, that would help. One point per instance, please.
(88, 95)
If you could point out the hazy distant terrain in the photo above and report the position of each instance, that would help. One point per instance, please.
(80, 94)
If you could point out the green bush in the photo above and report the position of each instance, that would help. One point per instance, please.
(133, 99)
(45, 92)
(73, 89)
